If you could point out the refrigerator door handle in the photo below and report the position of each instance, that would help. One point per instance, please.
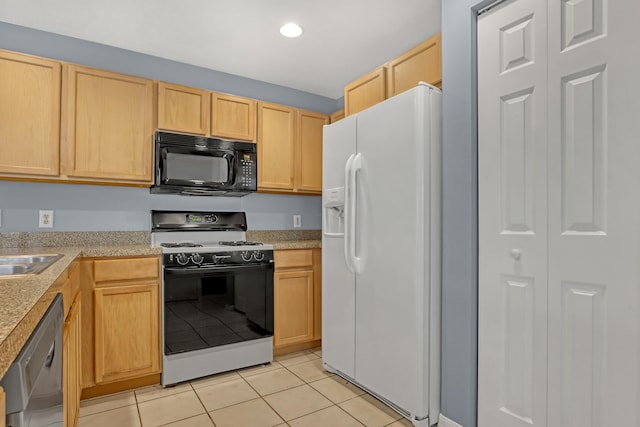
(347, 211)
(356, 262)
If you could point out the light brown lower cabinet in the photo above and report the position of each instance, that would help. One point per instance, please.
(72, 366)
(293, 300)
(297, 294)
(121, 346)
(126, 331)
(71, 350)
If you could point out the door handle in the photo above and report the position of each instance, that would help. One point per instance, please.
(355, 167)
(515, 254)
(347, 212)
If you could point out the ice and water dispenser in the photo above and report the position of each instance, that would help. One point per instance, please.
(333, 212)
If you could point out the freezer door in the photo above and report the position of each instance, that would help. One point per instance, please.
(393, 235)
(338, 283)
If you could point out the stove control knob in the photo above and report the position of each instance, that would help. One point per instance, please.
(182, 259)
(246, 256)
(259, 256)
(197, 258)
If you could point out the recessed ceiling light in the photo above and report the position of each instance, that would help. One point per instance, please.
(291, 30)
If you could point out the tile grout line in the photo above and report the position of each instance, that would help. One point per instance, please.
(138, 410)
(202, 403)
(322, 409)
(313, 388)
(265, 401)
(290, 388)
(305, 381)
(175, 394)
(110, 409)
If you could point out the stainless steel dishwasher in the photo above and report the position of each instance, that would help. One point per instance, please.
(33, 383)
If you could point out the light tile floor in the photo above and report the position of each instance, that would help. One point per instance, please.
(294, 390)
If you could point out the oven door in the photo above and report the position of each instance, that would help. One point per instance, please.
(207, 307)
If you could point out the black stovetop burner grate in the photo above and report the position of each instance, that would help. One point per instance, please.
(239, 243)
(181, 245)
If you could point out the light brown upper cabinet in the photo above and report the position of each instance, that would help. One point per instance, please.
(308, 177)
(276, 140)
(233, 117)
(368, 90)
(336, 115)
(108, 126)
(289, 149)
(29, 115)
(201, 112)
(183, 109)
(422, 63)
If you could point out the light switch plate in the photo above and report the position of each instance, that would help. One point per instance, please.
(297, 221)
(45, 219)
(0, 217)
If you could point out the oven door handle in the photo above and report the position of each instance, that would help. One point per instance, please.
(181, 271)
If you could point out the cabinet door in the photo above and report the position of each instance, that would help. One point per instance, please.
(368, 90)
(293, 307)
(233, 117)
(108, 126)
(317, 294)
(183, 109)
(72, 364)
(423, 63)
(276, 135)
(309, 151)
(126, 331)
(336, 115)
(29, 115)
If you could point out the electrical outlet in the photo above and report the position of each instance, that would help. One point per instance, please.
(0, 217)
(297, 221)
(45, 219)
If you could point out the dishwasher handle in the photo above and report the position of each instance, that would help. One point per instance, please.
(52, 353)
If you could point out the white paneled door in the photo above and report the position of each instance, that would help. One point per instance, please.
(559, 211)
(512, 179)
(594, 213)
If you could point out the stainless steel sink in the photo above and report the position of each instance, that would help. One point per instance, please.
(6, 270)
(26, 264)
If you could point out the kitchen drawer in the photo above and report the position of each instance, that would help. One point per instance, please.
(293, 258)
(110, 270)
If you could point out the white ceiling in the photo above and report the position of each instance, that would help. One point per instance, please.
(342, 39)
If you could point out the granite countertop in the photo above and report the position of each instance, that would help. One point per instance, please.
(25, 298)
(295, 244)
(288, 239)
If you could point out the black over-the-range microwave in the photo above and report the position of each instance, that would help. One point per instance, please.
(200, 166)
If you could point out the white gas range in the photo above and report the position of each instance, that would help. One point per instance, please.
(217, 294)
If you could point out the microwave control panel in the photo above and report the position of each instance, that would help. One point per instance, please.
(247, 171)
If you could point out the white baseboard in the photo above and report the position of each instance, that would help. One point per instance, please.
(446, 422)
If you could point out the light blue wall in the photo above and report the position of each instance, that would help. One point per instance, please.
(95, 208)
(460, 213)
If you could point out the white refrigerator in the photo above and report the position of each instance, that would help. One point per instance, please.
(381, 245)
